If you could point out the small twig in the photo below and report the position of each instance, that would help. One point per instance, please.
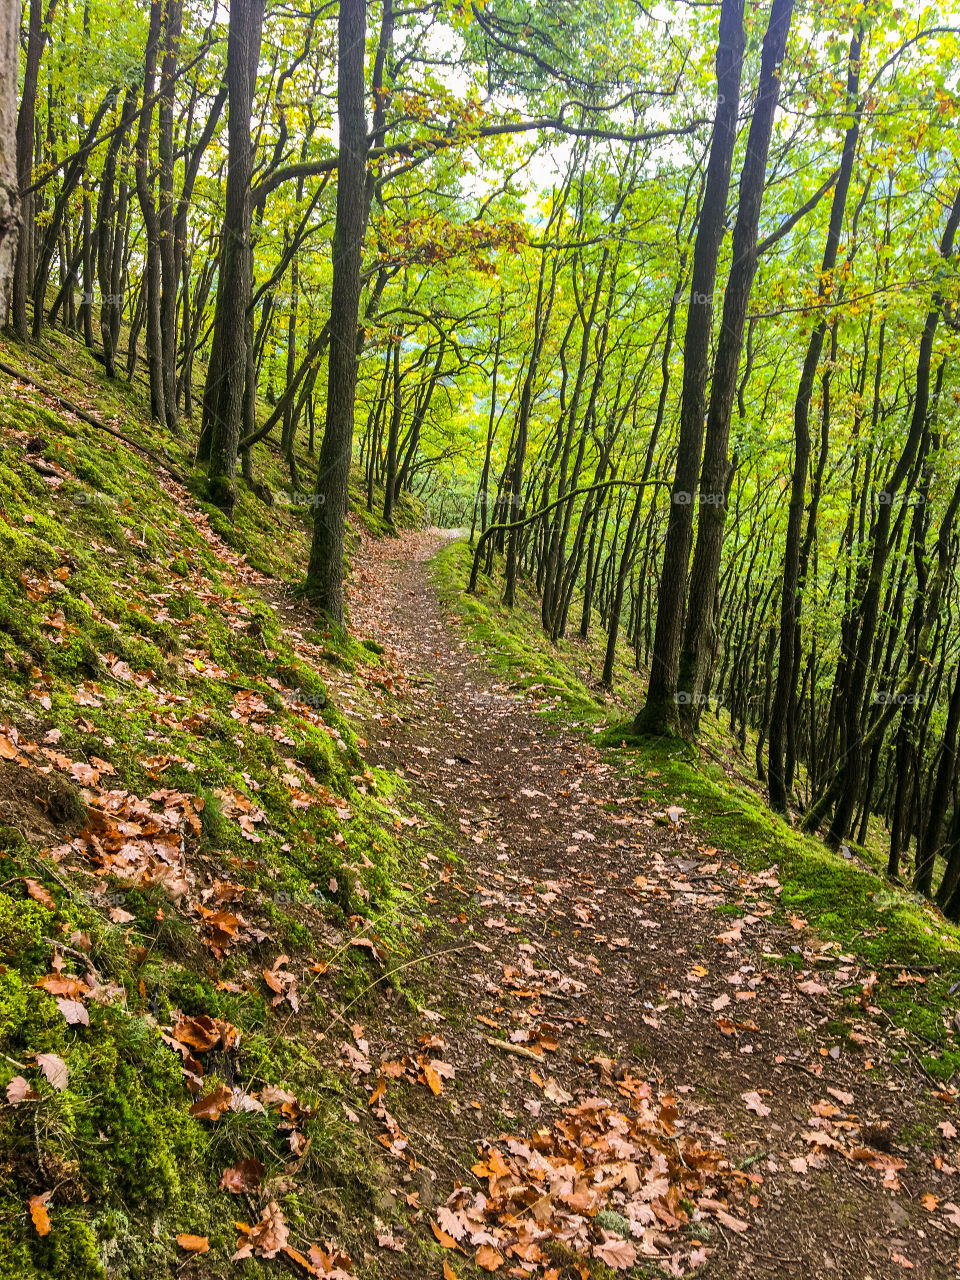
(520, 1050)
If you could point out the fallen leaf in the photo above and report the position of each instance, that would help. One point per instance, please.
(38, 1212)
(212, 1105)
(74, 1012)
(446, 1241)
(616, 1253)
(245, 1176)
(194, 1244)
(489, 1258)
(54, 1068)
(755, 1103)
(19, 1090)
(432, 1077)
(40, 894)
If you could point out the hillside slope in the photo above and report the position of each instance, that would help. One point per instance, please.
(194, 855)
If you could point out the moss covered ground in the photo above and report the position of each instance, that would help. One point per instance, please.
(181, 803)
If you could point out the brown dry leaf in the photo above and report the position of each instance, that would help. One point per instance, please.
(846, 1099)
(266, 1238)
(489, 1258)
(812, 988)
(194, 1244)
(38, 1212)
(929, 1201)
(200, 1033)
(722, 1215)
(755, 1103)
(555, 1092)
(74, 1012)
(19, 1090)
(62, 984)
(40, 894)
(245, 1176)
(212, 1105)
(616, 1253)
(448, 1271)
(54, 1068)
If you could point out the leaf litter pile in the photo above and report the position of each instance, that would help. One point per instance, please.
(609, 1179)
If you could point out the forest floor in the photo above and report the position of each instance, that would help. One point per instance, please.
(620, 1051)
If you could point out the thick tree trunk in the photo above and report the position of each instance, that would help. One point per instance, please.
(697, 655)
(26, 119)
(325, 571)
(226, 373)
(660, 712)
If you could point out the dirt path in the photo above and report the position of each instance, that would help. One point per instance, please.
(675, 1063)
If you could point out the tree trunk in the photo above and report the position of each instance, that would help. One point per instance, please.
(226, 373)
(789, 601)
(660, 712)
(325, 571)
(697, 656)
(9, 185)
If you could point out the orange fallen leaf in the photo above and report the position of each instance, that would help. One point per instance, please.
(212, 1105)
(194, 1244)
(38, 1212)
(489, 1258)
(432, 1077)
(446, 1241)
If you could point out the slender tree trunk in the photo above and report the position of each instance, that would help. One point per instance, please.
(325, 571)
(9, 185)
(789, 600)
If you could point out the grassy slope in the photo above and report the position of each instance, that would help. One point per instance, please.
(126, 630)
(846, 901)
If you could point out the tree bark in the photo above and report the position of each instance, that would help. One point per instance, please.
(699, 640)
(324, 582)
(9, 184)
(660, 713)
(226, 373)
